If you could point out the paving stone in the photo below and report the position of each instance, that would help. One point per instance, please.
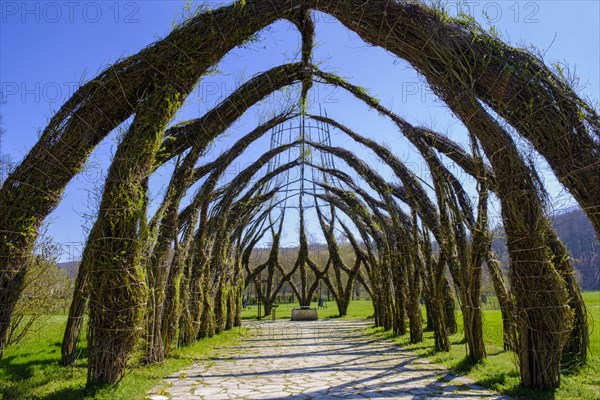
(316, 360)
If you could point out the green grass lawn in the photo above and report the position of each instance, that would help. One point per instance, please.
(499, 370)
(30, 370)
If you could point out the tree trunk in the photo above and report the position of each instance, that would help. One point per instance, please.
(221, 306)
(13, 280)
(415, 320)
(342, 306)
(231, 303)
(505, 301)
(449, 308)
(438, 318)
(75, 319)
(575, 351)
(207, 319)
(428, 313)
(157, 279)
(400, 289)
(238, 305)
(473, 327)
(187, 331)
(172, 306)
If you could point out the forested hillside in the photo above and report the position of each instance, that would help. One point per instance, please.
(577, 233)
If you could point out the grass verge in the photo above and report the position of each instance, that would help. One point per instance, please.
(499, 371)
(30, 370)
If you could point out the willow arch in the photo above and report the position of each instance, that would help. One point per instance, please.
(465, 66)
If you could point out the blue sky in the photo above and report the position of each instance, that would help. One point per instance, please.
(48, 47)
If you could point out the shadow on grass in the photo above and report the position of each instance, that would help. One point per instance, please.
(465, 365)
(17, 371)
(22, 374)
(523, 393)
(69, 394)
(462, 340)
(572, 367)
(9, 393)
(517, 391)
(16, 390)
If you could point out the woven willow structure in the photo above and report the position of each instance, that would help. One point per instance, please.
(180, 275)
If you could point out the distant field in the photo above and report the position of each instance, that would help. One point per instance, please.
(356, 309)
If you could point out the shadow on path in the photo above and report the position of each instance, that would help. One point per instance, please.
(328, 359)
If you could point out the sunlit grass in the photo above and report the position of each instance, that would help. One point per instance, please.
(356, 309)
(499, 370)
(30, 370)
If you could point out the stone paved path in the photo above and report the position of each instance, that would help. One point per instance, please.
(332, 359)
